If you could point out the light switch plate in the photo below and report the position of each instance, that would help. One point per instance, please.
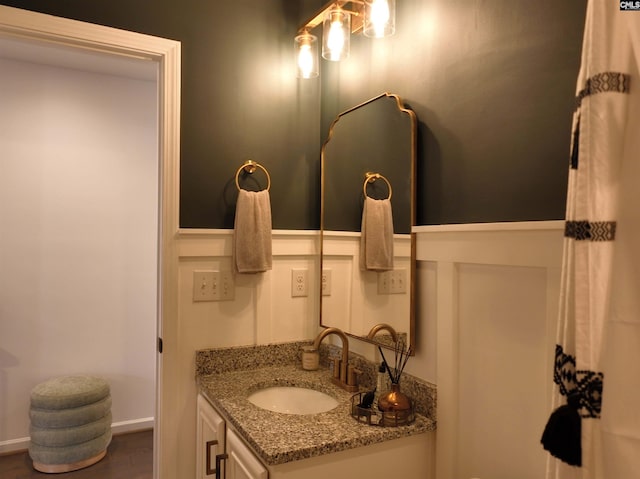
(213, 286)
(203, 286)
(392, 282)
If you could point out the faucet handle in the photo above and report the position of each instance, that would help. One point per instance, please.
(335, 368)
(353, 375)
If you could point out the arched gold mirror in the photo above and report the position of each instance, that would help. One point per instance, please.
(368, 270)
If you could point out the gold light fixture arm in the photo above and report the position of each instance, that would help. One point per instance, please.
(356, 9)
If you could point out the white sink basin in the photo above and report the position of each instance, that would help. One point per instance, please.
(292, 400)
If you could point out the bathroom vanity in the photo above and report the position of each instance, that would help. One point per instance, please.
(253, 442)
(215, 443)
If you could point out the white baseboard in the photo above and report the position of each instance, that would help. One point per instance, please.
(14, 445)
(122, 427)
(133, 425)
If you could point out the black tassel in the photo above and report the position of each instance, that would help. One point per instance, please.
(562, 436)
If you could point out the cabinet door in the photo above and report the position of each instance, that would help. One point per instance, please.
(210, 432)
(241, 462)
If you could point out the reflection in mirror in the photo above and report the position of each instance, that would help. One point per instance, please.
(368, 253)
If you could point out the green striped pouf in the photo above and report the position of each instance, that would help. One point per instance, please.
(70, 423)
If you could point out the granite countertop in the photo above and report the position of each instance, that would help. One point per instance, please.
(279, 438)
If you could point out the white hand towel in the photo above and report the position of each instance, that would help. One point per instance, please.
(376, 236)
(252, 232)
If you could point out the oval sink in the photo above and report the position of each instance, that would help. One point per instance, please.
(292, 400)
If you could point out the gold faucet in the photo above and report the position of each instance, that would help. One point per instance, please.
(346, 379)
(379, 327)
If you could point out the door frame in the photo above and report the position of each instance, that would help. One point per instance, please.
(46, 29)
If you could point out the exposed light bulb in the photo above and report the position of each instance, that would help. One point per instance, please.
(335, 41)
(305, 61)
(379, 16)
(306, 50)
(335, 34)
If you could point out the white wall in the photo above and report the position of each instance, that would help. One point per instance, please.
(262, 311)
(354, 304)
(492, 291)
(486, 309)
(78, 237)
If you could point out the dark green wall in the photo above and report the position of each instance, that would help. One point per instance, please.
(492, 83)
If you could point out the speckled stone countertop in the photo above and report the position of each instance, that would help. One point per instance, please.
(279, 438)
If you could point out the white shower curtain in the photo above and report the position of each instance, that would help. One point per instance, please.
(598, 340)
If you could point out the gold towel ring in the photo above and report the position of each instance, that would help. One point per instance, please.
(250, 166)
(370, 178)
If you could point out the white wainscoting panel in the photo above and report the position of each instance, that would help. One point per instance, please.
(261, 312)
(496, 289)
(354, 303)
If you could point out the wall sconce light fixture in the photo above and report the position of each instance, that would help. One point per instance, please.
(306, 46)
(379, 18)
(336, 34)
(339, 19)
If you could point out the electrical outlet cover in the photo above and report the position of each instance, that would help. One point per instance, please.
(326, 282)
(299, 282)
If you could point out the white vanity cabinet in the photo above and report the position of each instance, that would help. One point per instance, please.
(241, 463)
(410, 457)
(210, 439)
(220, 453)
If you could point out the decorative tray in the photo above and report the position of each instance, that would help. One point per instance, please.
(374, 417)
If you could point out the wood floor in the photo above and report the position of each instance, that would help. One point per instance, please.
(129, 456)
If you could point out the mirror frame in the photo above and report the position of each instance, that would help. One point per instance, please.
(412, 270)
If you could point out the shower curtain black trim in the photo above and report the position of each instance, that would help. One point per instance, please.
(587, 385)
(590, 230)
(603, 83)
(600, 83)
